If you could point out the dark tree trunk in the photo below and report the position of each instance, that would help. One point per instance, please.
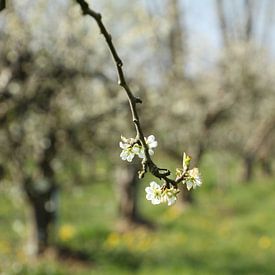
(127, 185)
(266, 167)
(248, 168)
(42, 194)
(44, 207)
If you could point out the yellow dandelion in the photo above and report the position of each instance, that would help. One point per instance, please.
(112, 240)
(264, 242)
(66, 232)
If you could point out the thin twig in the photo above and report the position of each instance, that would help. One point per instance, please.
(148, 162)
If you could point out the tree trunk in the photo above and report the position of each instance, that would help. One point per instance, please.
(266, 167)
(222, 22)
(43, 203)
(127, 185)
(248, 168)
(177, 47)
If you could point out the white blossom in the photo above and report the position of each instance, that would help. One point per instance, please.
(128, 151)
(170, 195)
(151, 143)
(194, 179)
(157, 195)
(154, 193)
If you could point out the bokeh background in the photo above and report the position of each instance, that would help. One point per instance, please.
(205, 71)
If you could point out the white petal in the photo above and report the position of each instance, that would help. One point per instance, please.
(154, 185)
(141, 154)
(153, 144)
(189, 184)
(130, 157)
(123, 145)
(198, 181)
(155, 201)
(149, 197)
(124, 155)
(136, 149)
(171, 201)
(150, 139)
(149, 190)
(151, 152)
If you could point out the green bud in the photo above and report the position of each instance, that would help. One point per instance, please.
(185, 161)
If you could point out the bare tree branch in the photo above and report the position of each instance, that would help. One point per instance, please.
(147, 163)
(249, 23)
(176, 46)
(222, 22)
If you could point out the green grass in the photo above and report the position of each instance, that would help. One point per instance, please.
(229, 230)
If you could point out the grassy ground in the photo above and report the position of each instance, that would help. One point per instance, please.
(229, 230)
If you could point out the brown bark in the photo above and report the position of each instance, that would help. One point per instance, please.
(42, 197)
(43, 205)
(127, 178)
(259, 141)
(266, 167)
(127, 187)
(248, 168)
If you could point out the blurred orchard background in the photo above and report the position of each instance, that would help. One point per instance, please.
(205, 71)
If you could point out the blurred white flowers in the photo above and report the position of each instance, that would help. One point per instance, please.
(153, 193)
(157, 194)
(152, 143)
(130, 150)
(193, 179)
(170, 195)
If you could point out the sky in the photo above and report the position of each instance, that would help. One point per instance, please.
(204, 39)
(199, 17)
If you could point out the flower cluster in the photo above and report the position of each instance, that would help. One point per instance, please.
(190, 177)
(157, 194)
(193, 179)
(130, 147)
(167, 193)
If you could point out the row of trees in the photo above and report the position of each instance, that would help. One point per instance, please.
(60, 106)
